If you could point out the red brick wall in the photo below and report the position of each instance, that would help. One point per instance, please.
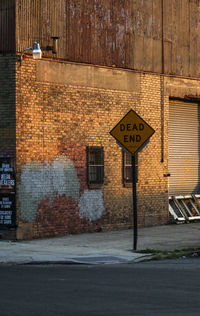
(55, 123)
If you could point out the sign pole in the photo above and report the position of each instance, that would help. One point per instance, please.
(132, 133)
(134, 181)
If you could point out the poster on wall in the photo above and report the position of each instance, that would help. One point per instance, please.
(7, 209)
(7, 176)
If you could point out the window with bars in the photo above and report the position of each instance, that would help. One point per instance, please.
(95, 165)
(127, 167)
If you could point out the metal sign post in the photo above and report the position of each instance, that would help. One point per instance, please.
(134, 181)
(132, 133)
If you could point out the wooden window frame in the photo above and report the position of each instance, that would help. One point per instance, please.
(95, 163)
(127, 182)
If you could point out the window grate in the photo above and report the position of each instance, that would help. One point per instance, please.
(127, 167)
(95, 165)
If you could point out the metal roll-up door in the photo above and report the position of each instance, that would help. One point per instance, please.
(184, 148)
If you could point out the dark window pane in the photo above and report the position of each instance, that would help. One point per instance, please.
(95, 165)
(95, 156)
(95, 174)
(128, 158)
(128, 173)
(127, 167)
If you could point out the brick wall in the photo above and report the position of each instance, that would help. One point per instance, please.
(58, 115)
(153, 160)
(7, 105)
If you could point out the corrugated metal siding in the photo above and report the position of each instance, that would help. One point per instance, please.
(98, 32)
(104, 32)
(184, 148)
(122, 33)
(39, 20)
(7, 26)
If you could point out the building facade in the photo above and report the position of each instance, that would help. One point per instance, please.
(61, 171)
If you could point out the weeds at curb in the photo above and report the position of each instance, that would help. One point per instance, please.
(173, 254)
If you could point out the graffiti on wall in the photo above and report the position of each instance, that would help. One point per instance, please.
(91, 205)
(185, 175)
(53, 193)
(44, 180)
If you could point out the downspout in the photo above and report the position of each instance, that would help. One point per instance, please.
(162, 83)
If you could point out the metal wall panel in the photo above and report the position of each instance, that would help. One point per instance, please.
(39, 20)
(184, 148)
(7, 26)
(153, 35)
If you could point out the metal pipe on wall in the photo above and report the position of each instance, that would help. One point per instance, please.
(162, 84)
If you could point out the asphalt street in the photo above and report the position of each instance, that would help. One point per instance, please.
(149, 288)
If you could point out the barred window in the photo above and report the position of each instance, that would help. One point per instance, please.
(127, 167)
(95, 165)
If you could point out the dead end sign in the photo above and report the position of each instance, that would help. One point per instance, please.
(132, 132)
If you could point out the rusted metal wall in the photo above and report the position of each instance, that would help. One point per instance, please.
(39, 20)
(150, 35)
(7, 26)
(182, 37)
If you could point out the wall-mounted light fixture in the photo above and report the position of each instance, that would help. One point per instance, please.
(37, 51)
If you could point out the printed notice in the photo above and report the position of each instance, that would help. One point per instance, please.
(7, 209)
(7, 179)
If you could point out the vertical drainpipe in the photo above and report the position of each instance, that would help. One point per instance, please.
(162, 83)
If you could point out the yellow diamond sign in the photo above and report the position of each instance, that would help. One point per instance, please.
(132, 132)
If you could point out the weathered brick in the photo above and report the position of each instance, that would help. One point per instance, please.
(59, 120)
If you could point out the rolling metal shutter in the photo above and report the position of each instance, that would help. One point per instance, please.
(184, 148)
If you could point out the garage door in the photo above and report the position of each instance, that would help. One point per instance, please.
(184, 148)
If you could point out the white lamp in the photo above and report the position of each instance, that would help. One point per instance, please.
(37, 53)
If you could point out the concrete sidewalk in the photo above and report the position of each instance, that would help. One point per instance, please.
(102, 247)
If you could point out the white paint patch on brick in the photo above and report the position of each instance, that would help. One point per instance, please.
(40, 181)
(91, 205)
